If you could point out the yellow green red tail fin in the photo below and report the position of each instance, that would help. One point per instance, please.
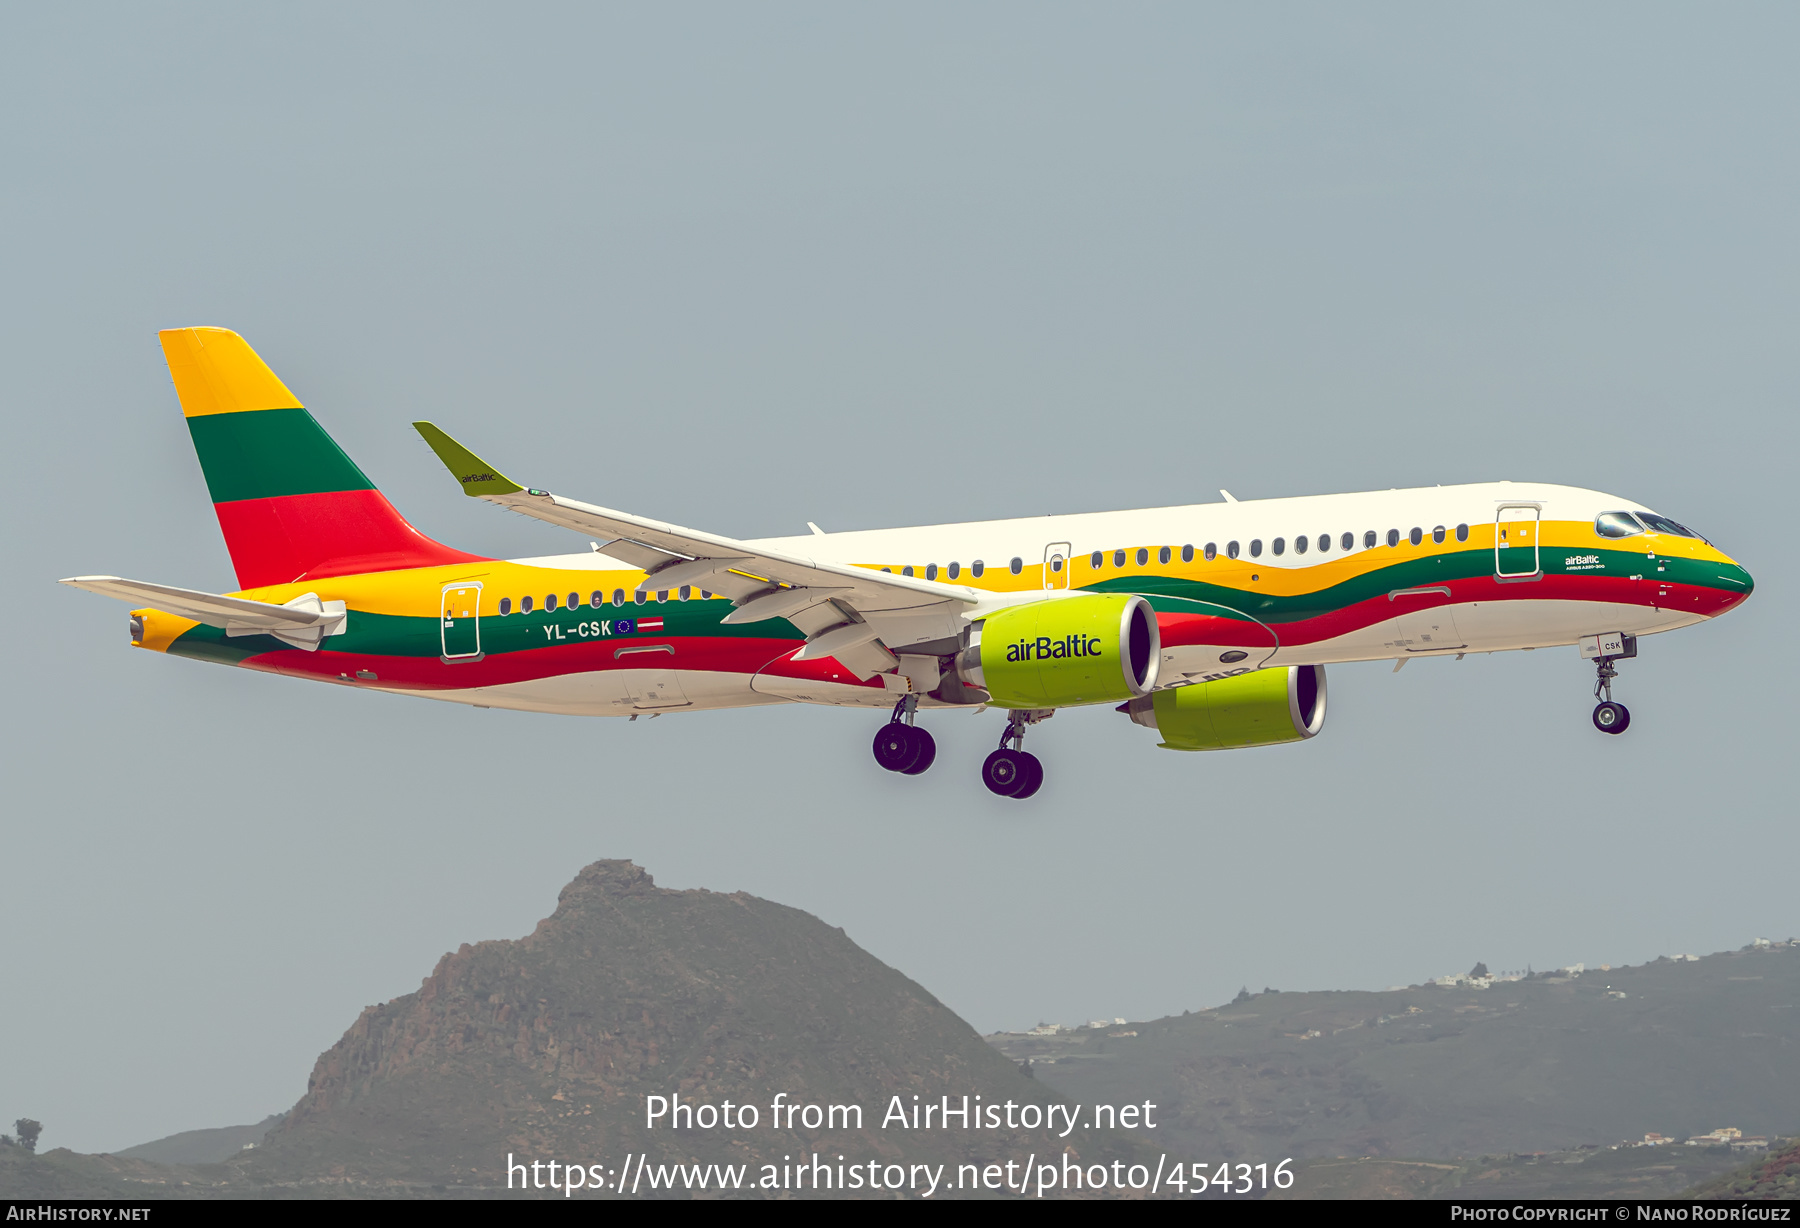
(290, 502)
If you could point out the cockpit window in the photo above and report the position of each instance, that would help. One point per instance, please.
(1616, 524)
(1662, 524)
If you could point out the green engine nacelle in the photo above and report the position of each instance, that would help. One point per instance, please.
(1263, 708)
(1092, 649)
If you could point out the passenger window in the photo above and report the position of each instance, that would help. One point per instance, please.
(597, 600)
(976, 568)
(955, 570)
(906, 570)
(1437, 535)
(1256, 547)
(550, 602)
(1616, 524)
(1118, 558)
(1017, 565)
(1187, 554)
(1369, 540)
(1324, 542)
(1416, 536)
(618, 596)
(1280, 545)
(685, 592)
(1143, 556)
(505, 606)
(1211, 551)
(1162, 556)
(1231, 550)
(1348, 541)
(1300, 544)
(574, 601)
(1393, 538)
(1098, 559)
(639, 597)
(931, 571)
(662, 596)
(525, 605)
(1462, 532)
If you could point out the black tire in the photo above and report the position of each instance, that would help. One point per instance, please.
(1003, 771)
(1032, 778)
(1610, 717)
(896, 747)
(927, 751)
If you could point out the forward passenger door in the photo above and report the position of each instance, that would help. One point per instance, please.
(1516, 542)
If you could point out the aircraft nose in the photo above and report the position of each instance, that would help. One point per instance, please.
(1738, 579)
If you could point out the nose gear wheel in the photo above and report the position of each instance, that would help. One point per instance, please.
(1609, 715)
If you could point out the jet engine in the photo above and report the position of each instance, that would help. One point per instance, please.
(1263, 708)
(1074, 650)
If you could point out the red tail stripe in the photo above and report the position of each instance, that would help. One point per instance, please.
(289, 538)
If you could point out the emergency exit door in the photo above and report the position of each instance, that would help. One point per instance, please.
(1516, 542)
(461, 621)
(1056, 566)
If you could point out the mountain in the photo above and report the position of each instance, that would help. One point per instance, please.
(1545, 1064)
(213, 1146)
(550, 1048)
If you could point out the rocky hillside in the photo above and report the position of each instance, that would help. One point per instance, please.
(1546, 1064)
(1773, 1174)
(548, 1048)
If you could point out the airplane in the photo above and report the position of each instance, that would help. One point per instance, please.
(1210, 624)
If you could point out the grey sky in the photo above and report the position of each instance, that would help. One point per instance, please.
(747, 266)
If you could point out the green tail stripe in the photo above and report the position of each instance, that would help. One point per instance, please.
(267, 453)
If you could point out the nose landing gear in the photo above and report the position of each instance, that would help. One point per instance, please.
(1012, 771)
(900, 745)
(1610, 716)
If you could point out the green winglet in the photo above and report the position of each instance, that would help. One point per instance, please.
(476, 475)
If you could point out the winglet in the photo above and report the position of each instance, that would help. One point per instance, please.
(478, 478)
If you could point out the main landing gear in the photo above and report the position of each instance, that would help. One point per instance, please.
(902, 746)
(1012, 771)
(1609, 716)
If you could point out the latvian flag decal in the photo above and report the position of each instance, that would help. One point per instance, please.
(649, 624)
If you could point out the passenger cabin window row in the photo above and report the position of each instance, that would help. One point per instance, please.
(1324, 543)
(599, 600)
(1279, 546)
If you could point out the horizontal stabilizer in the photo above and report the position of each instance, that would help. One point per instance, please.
(302, 622)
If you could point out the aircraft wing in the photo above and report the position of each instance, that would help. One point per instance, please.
(303, 622)
(847, 612)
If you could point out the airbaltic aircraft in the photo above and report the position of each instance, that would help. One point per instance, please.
(1211, 624)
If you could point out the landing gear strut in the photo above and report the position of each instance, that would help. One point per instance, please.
(1610, 717)
(1012, 771)
(900, 745)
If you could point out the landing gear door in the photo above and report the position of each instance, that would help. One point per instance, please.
(461, 621)
(1516, 543)
(1056, 566)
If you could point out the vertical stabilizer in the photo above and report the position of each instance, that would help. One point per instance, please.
(291, 504)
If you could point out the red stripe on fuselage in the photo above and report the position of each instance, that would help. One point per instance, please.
(1178, 629)
(289, 538)
(734, 655)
